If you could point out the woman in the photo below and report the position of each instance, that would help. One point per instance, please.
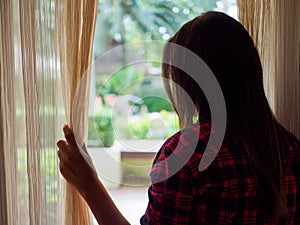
(252, 180)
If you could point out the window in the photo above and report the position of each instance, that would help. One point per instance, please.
(129, 114)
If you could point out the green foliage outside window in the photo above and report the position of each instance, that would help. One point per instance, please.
(127, 21)
(100, 127)
(160, 128)
(121, 82)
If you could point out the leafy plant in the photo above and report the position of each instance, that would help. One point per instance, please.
(121, 82)
(140, 129)
(163, 126)
(100, 127)
(156, 104)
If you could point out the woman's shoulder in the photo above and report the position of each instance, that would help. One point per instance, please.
(176, 158)
(188, 138)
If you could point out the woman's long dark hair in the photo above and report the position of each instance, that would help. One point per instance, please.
(226, 47)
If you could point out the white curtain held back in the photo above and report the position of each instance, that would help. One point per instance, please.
(45, 55)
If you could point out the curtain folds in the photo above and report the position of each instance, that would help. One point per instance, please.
(274, 27)
(75, 27)
(8, 150)
(45, 55)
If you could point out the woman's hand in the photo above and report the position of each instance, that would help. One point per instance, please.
(77, 168)
(74, 166)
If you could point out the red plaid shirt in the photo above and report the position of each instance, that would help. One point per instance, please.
(224, 193)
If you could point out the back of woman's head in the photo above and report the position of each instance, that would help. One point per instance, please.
(226, 47)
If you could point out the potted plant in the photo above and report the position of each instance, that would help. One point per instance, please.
(100, 131)
(103, 149)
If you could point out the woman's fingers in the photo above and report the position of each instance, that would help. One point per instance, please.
(60, 155)
(73, 165)
(69, 135)
(61, 144)
(69, 146)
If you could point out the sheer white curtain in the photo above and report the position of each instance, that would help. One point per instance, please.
(33, 78)
(8, 150)
(274, 27)
(75, 27)
(28, 109)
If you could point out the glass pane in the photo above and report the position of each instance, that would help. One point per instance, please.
(130, 115)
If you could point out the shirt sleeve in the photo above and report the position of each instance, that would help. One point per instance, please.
(171, 200)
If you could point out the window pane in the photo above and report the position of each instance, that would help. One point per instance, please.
(129, 112)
